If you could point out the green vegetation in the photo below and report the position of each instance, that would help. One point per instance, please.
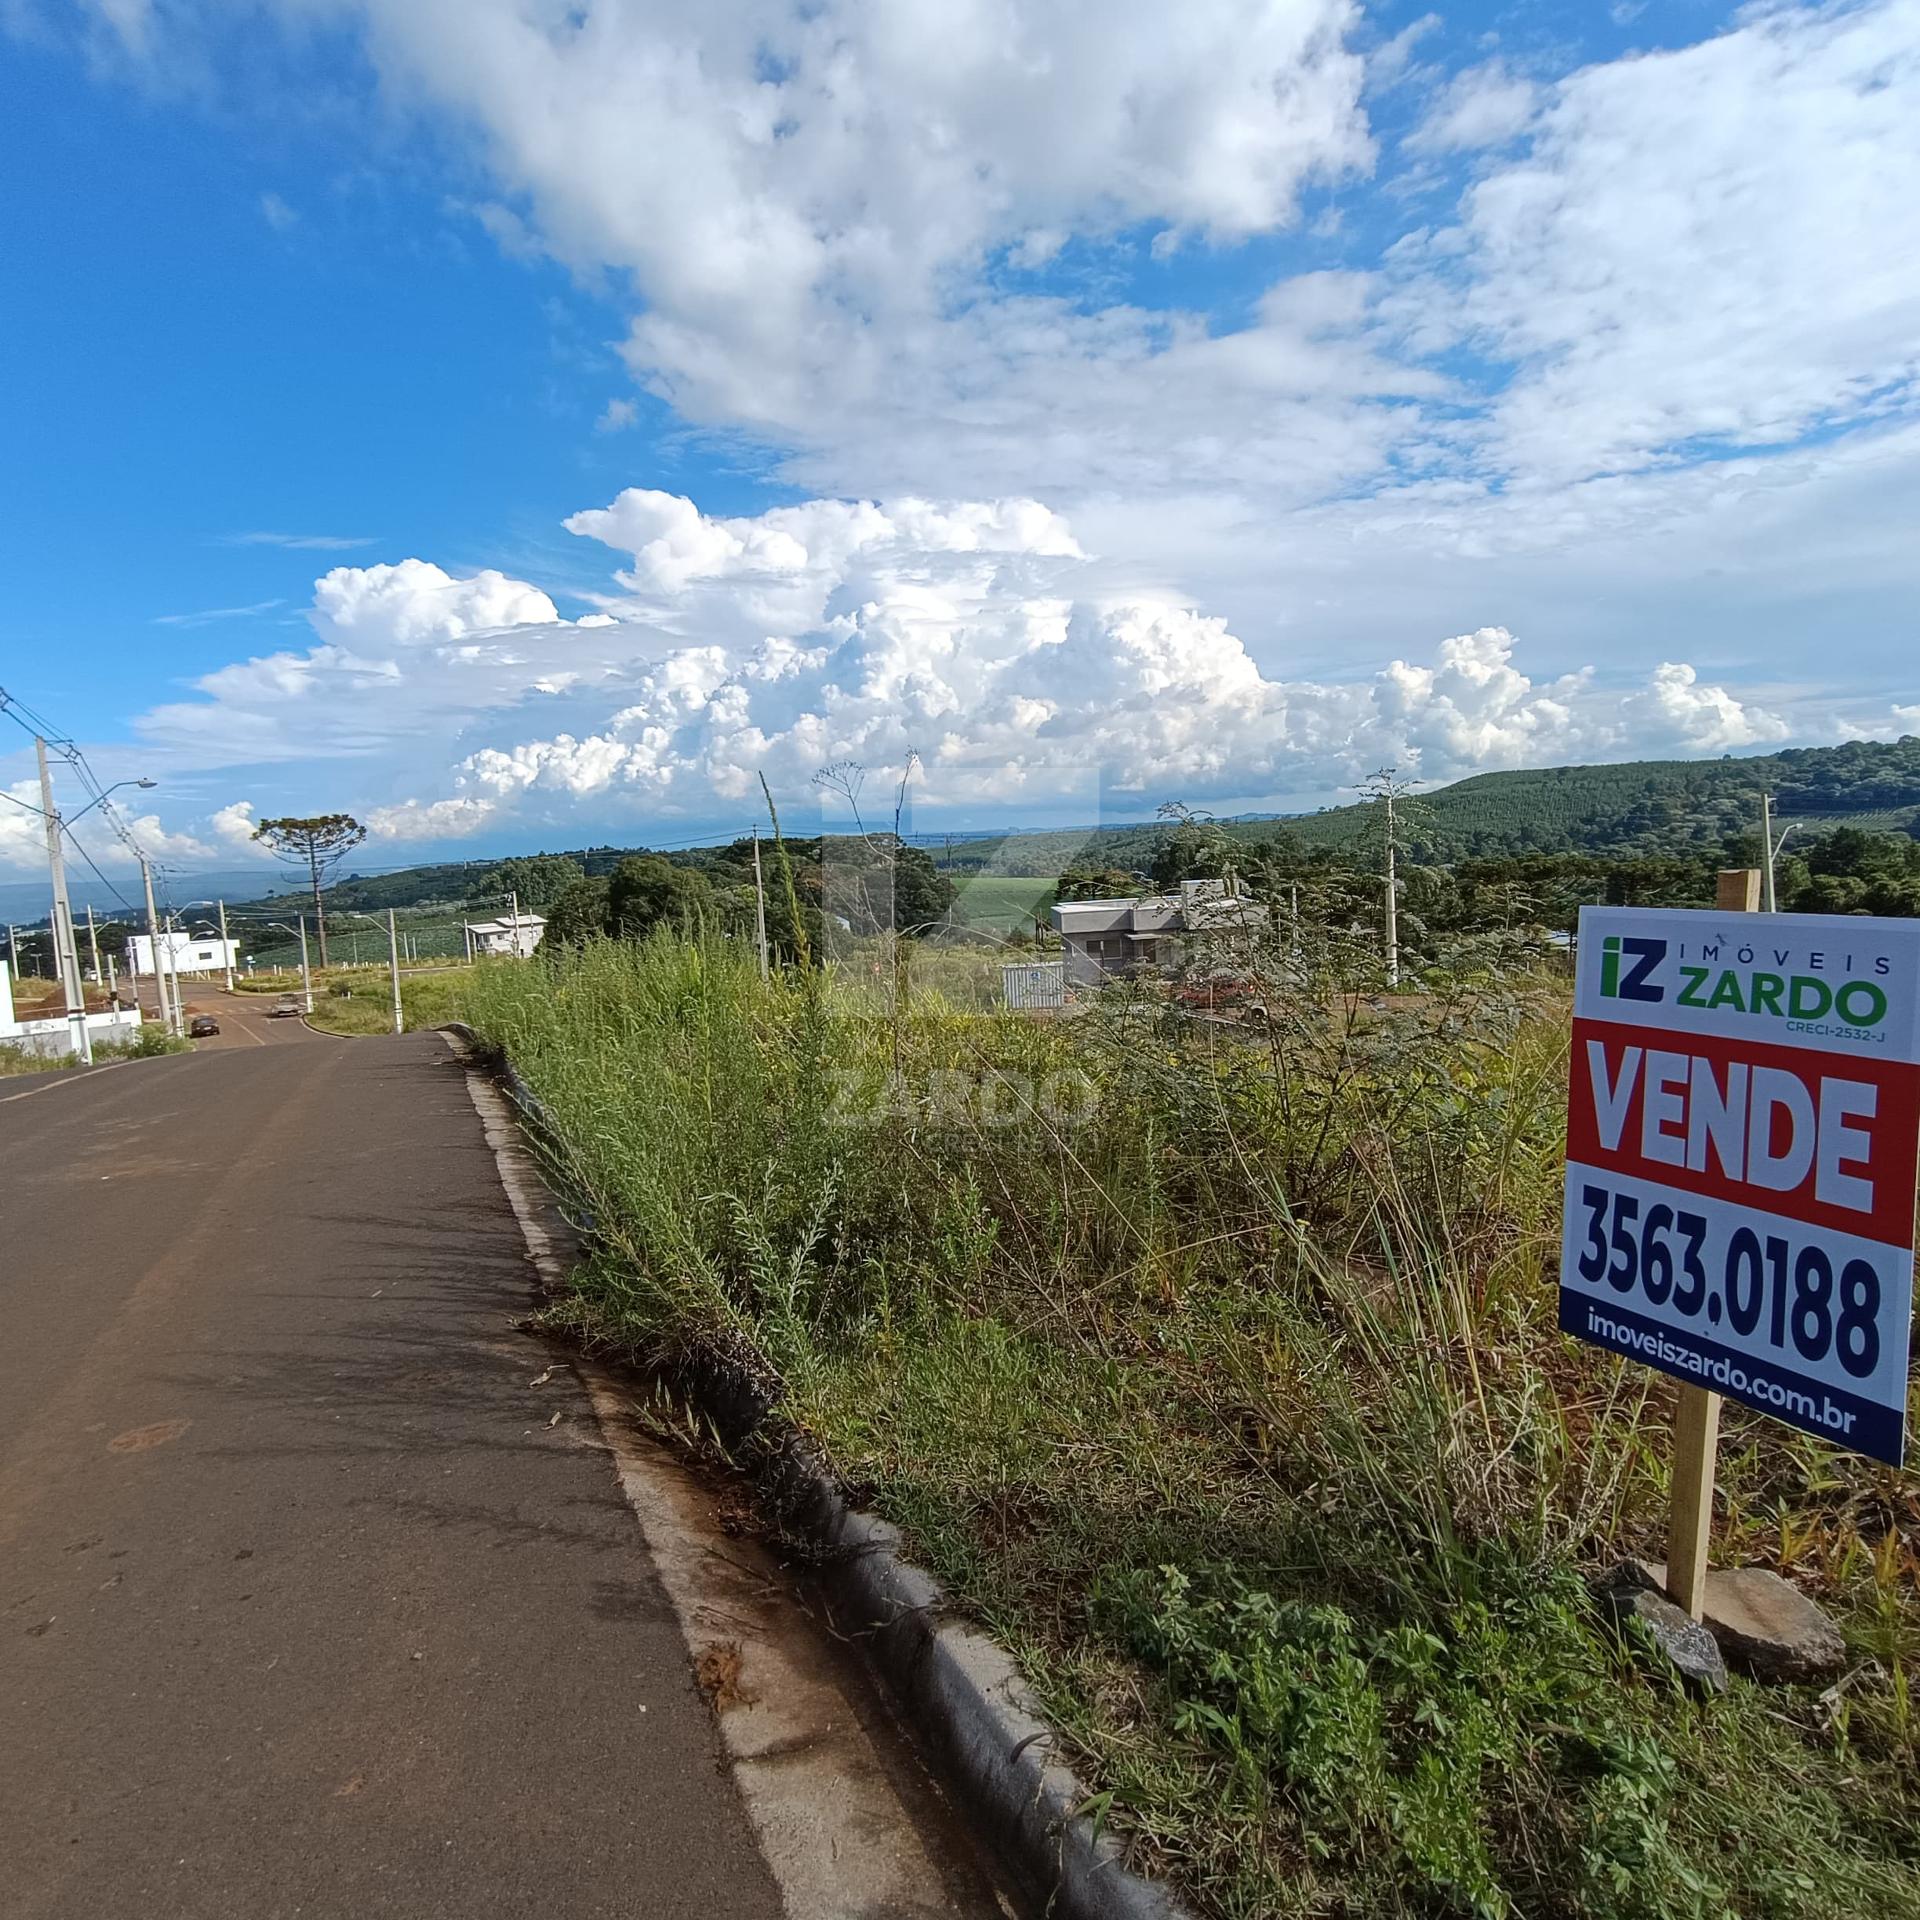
(358, 940)
(1000, 903)
(1648, 809)
(1648, 831)
(149, 1043)
(16, 1060)
(363, 1004)
(1216, 1372)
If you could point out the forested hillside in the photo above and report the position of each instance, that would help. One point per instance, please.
(1648, 807)
(1643, 809)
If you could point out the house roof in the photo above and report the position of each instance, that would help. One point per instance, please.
(1157, 913)
(526, 920)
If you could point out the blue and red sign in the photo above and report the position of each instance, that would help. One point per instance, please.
(1743, 1132)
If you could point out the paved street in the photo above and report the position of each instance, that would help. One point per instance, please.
(305, 1607)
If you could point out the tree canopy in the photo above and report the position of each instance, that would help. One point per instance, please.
(318, 842)
(536, 880)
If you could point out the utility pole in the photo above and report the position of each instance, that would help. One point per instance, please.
(93, 941)
(759, 905)
(176, 997)
(66, 956)
(306, 972)
(1387, 787)
(153, 948)
(1770, 904)
(1393, 905)
(167, 981)
(226, 951)
(393, 956)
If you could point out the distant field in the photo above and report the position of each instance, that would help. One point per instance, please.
(997, 903)
(358, 940)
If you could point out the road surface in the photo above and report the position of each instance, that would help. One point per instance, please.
(311, 1602)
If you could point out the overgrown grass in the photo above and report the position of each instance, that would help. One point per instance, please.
(17, 1060)
(1215, 1370)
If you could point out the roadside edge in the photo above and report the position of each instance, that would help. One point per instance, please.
(970, 1705)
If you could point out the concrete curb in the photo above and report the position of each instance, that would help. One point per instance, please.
(964, 1695)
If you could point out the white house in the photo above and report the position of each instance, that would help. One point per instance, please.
(516, 937)
(1103, 939)
(184, 952)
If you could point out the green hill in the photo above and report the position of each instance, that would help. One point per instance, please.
(1649, 807)
(1639, 809)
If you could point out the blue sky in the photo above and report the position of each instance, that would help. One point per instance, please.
(1245, 395)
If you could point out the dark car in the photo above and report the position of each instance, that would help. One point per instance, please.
(203, 1026)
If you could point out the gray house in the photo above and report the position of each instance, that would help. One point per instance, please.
(1152, 933)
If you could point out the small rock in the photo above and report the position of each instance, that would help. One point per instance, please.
(1765, 1626)
(1769, 1629)
(1684, 1641)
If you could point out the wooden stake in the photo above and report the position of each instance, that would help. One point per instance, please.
(1696, 1442)
(1696, 1415)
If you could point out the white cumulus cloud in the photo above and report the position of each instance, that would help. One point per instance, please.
(982, 637)
(416, 602)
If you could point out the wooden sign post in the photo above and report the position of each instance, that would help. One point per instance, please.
(1696, 1414)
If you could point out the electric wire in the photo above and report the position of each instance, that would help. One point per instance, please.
(93, 867)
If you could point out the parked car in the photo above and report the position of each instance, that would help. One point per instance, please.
(203, 1026)
(287, 1009)
(1220, 991)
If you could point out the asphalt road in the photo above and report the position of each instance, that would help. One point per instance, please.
(305, 1607)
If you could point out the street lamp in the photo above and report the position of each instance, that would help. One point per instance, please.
(100, 799)
(393, 957)
(306, 972)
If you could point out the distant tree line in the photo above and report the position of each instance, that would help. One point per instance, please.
(1341, 888)
(860, 884)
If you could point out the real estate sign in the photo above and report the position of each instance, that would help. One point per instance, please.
(1743, 1128)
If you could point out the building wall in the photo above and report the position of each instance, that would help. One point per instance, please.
(53, 1039)
(186, 953)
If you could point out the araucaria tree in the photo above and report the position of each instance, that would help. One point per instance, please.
(319, 844)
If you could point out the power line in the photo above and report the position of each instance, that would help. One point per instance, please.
(94, 869)
(24, 717)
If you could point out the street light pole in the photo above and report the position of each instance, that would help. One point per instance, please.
(66, 956)
(306, 972)
(153, 947)
(226, 951)
(170, 966)
(393, 960)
